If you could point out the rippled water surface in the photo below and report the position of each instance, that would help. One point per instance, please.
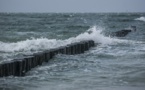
(115, 63)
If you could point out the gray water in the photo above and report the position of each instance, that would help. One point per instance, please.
(115, 63)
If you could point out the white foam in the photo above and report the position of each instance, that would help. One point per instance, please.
(97, 36)
(37, 44)
(29, 46)
(141, 19)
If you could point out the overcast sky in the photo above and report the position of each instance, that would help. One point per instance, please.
(72, 5)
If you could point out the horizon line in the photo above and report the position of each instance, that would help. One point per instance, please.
(71, 12)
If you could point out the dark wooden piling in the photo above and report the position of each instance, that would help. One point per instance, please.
(18, 71)
(1, 70)
(18, 67)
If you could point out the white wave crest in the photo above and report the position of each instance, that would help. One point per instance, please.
(30, 45)
(97, 36)
(141, 19)
(40, 44)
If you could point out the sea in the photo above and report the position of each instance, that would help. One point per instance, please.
(115, 63)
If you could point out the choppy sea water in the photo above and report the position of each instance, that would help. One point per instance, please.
(115, 63)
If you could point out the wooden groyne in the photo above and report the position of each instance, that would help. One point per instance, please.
(18, 67)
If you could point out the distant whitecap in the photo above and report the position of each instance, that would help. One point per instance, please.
(141, 19)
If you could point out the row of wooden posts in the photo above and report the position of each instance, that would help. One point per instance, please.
(18, 67)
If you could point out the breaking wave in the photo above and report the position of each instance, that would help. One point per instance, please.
(141, 19)
(36, 44)
(41, 44)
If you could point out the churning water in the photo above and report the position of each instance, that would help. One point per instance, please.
(113, 64)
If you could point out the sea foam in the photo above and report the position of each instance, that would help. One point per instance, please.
(141, 19)
(29, 46)
(38, 44)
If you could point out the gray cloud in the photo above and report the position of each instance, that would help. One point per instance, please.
(72, 5)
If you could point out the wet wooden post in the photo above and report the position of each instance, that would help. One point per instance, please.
(32, 62)
(61, 50)
(47, 56)
(82, 47)
(52, 52)
(1, 73)
(19, 67)
(1, 70)
(9, 68)
(29, 62)
(72, 47)
(77, 48)
(6, 69)
(6, 66)
(68, 50)
(86, 46)
(12, 67)
(38, 58)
